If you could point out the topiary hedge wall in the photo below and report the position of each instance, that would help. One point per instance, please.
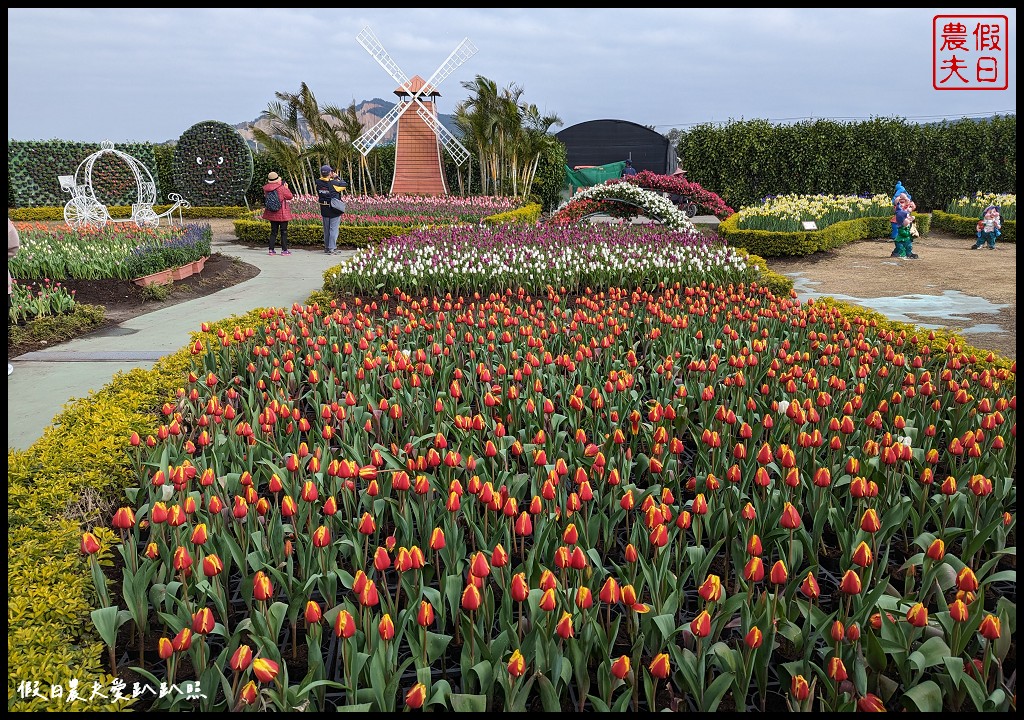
(745, 161)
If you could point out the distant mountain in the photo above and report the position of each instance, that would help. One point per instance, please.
(369, 113)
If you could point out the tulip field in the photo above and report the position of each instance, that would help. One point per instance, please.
(667, 491)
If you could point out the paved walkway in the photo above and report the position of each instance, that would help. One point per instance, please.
(44, 381)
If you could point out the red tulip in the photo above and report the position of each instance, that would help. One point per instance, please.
(870, 522)
(212, 566)
(471, 598)
(265, 669)
(990, 627)
(367, 526)
(548, 601)
(958, 611)
(936, 550)
(799, 688)
(344, 625)
(620, 667)
(369, 597)
(564, 627)
(183, 640)
(437, 541)
(479, 566)
(862, 555)
(918, 615)
(610, 592)
(850, 583)
(182, 560)
(203, 621)
(711, 589)
(809, 587)
(790, 517)
(499, 557)
(386, 628)
(241, 659)
(754, 638)
(124, 519)
(321, 537)
(778, 574)
(520, 588)
(966, 580)
(381, 560)
(838, 631)
(164, 648)
(313, 613)
(516, 664)
(836, 669)
(417, 694)
(871, 703)
(753, 571)
(631, 553)
(262, 588)
(249, 693)
(288, 506)
(89, 544)
(700, 626)
(660, 667)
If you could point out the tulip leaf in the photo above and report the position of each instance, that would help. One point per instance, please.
(666, 625)
(442, 690)
(874, 653)
(360, 707)
(108, 621)
(715, 692)
(598, 704)
(548, 694)
(925, 697)
(436, 645)
(468, 703)
(932, 652)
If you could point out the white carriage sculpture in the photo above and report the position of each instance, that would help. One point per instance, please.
(84, 210)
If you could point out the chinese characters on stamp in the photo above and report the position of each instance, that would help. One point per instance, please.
(970, 52)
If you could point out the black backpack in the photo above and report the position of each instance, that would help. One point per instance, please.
(271, 200)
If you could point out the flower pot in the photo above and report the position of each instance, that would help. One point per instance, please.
(165, 276)
(160, 278)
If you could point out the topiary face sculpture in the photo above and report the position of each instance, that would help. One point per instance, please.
(212, 165)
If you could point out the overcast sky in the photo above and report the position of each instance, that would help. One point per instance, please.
(149, 74)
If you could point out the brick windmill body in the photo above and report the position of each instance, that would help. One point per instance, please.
(419, 169)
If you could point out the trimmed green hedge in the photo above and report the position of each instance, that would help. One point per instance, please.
(769, 243)
(39, 214)
(257, 232)
(967, 226)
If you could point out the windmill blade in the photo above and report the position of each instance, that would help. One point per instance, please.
(461, 54)
(458, 152)
(365, 142)
(372, 45)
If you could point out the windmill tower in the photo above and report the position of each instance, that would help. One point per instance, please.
(420, 135)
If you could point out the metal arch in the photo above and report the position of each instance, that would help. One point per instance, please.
(368, 140)
(85, 210)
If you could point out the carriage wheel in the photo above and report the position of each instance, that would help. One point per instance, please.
(147, 218)
(689, 209)
(77, 215)
(98, 214)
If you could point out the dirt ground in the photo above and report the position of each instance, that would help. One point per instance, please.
(949, 286)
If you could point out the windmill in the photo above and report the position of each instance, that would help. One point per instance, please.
(420, 135)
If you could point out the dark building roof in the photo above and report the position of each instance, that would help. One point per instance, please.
(599, 142)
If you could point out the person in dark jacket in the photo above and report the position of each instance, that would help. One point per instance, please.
(329, 188)
(629, 169)
(278, 218)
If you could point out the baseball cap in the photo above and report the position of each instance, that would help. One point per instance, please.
(326, 170)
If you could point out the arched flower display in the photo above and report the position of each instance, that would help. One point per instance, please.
(652, 204)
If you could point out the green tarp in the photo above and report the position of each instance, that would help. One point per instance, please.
(587, 176)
